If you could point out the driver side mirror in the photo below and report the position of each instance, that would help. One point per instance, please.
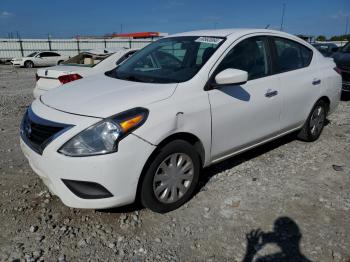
(231, 76)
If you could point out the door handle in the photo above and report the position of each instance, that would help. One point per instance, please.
(271, 93)
(316, 81)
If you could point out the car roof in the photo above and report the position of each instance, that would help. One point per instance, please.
(227, 32)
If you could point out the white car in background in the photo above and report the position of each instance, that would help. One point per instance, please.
(45, 58)
(147, 128)
(80, 66)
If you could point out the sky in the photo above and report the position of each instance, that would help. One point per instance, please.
(68, 18)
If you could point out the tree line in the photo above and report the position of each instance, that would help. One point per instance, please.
(333, 38)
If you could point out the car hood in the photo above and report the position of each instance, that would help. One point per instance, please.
(56, 71)
(342, 59)
(103, 96)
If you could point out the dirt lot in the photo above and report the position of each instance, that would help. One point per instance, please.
(297, 193)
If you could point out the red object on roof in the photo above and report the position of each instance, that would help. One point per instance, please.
(137, 35)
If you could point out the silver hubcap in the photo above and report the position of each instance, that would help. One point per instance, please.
(317, 120)
(173, 178)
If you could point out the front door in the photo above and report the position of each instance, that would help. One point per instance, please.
(243, 115)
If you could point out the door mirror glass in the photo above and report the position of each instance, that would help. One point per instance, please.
(231, 76)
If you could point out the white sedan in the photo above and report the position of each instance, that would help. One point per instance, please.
(46, 58)
(80, 66)
(147, 128)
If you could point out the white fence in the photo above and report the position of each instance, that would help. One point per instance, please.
(10, 48)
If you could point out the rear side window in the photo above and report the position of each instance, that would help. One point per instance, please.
(48, 54)
(54, 54)
(291, 55)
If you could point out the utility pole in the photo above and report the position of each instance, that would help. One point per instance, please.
(346, 25)
(282, 18)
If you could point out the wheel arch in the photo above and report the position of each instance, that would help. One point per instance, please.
(28, 60)
(326, 100)
(188, 137)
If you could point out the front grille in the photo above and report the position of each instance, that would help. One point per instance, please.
(37, 133)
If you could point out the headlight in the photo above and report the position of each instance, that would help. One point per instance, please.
(103, 137)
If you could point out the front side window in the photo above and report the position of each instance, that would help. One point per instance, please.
(32, 54)
(291, 55)
(44, 54)
(168, 60)
(250, 55)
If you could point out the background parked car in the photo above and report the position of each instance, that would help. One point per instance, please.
(327, 49)
(342, 59)
(46, 58)
(80, 66)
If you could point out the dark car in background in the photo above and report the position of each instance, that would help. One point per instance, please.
(327, 49)
(342, 59)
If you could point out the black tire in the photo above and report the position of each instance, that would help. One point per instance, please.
(28, 64)
(147, 195)
(306, 133)
(59, 62)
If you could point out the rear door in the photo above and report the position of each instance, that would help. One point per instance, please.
(44, 59)
(300, 80)
(243, 115)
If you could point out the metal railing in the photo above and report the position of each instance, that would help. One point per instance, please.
(10, 48)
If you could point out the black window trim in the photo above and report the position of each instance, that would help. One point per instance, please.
(209, 85)
(275, 55)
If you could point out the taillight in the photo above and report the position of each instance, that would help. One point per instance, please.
(69, 78)
(37, 77)
(336, 69)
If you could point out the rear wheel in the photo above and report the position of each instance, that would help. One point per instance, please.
(314, 124)
(28, 64)
(59, 62)
(171, 178)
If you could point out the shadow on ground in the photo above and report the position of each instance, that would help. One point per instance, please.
(345, 96)
(286, 236)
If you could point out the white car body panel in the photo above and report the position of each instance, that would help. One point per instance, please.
(226, 121)
(52, 170)
(113, 96)
(49, 76)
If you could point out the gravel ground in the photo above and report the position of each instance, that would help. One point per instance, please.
(293, 195)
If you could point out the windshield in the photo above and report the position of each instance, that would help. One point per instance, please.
(346, 48)
(168, 60)
(86, 59)
(32, 54)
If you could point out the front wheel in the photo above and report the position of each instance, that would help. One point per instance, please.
(171, 178)
(314, 124)
(28, 64)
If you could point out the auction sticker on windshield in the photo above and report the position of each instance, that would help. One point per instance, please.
(209, 40)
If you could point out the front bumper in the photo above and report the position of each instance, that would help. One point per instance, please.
(117, 172)
(17, 63)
